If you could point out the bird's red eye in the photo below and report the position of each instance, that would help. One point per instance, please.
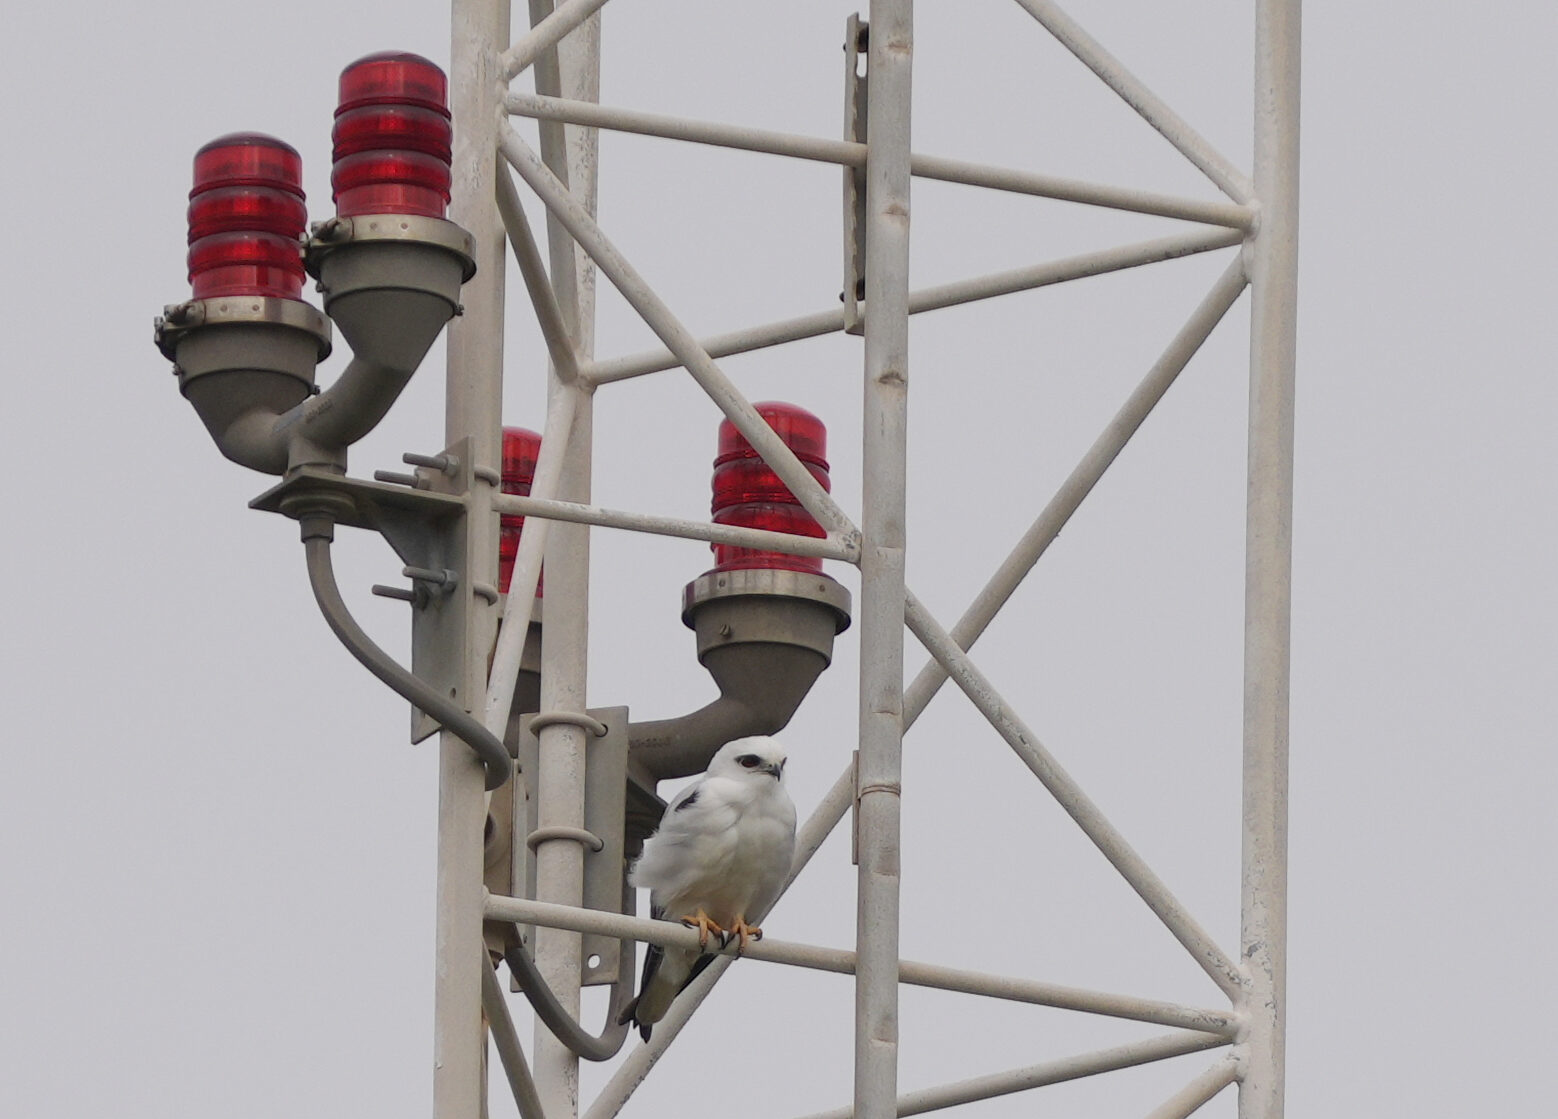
(750, 761)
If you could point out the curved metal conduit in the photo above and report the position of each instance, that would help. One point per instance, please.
(318, 533)
(558, 1020)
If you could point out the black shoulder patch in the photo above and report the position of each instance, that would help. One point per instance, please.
(691, 800)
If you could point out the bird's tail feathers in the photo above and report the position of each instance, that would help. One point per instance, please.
(630, 1014)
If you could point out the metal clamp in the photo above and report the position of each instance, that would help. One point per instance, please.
(179, 319)
(568, 718)
(883, 787)
(403, 228)
(578, 835)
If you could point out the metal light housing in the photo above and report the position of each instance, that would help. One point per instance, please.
(389, 265)
(765, 621)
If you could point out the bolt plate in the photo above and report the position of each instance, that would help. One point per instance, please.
(605, 792)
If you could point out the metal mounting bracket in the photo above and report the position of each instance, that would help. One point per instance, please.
(605, 793)
(425, 527)
(856, 88)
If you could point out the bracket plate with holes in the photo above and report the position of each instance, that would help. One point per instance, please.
(605, 793)
(425, 527)
(856, 87)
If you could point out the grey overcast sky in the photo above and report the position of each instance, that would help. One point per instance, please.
(216, 847)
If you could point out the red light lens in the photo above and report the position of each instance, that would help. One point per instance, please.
(248, 159)
(801, 431)
(748, 493)
(403, 127)
(230, 208)
(393, 78)
(392, 137)
(743, 480)
(244, 263)
(390, 182)
(246, 218)
(520, 450)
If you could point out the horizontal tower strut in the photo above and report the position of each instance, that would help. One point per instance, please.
(1222, 1023)
(829, 547)
(848, 153)
(1050, 1072)
(929, 299)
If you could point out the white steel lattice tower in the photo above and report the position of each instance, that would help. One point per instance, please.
(496, 174)
(1260, 214)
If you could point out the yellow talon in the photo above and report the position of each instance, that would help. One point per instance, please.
(744, 932)
(705, 925)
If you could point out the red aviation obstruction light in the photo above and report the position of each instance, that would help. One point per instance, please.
(748, 493)
(520, 450)
(392, 137)
(246, 218)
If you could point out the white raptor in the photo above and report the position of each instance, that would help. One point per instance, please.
(716, 863)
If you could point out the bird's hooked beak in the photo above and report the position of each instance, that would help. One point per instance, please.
(776, 769)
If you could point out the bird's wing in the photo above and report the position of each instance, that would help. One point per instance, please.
(680, 856)
(772, 870)
(715, 844)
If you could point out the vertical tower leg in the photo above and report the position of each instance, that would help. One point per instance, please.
(1273, 263)
(570, 70)
(889, 69)
(472, 408)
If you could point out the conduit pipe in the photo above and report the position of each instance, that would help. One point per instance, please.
(562, 1024)
(318, 531)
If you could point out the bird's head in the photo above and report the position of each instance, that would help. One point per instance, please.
(749, 759)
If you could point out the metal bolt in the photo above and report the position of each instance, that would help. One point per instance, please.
(443, 580)
(445, 463)
(396, 479)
